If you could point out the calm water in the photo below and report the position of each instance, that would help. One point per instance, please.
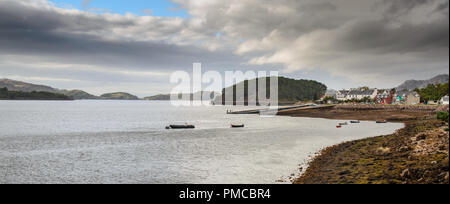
(125, 142)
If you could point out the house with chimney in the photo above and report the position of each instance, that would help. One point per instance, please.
(385, 96)
(406, 97)
(361, 93)
(341, 95)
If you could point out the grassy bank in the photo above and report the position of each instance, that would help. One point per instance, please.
(416, 154)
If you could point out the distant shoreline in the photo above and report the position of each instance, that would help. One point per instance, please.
(378, 159)
(6, 94)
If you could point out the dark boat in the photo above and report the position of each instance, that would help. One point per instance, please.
(355, 121)
(237, 125)
(180, 127)
(381, 121)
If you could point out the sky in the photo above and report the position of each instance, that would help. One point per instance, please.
(139, 7)
(133, 46)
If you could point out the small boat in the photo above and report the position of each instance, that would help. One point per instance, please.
(237, 125)
(338, 126)
(384, 121)
(355, 121)
(343, 123)
(180, 127)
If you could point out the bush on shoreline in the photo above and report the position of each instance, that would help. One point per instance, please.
(443, 116)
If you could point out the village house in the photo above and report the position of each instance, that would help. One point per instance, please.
(444, 100)
(359, 94)
(384, 96)
(413, 98)
(342, 95)
(406, 97)
(330, 93)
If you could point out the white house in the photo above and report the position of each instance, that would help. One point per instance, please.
(342, 95)
(383, 93)
(359, 94)
(444, 100)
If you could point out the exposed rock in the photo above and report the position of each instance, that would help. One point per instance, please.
(431, 142)
(404, 149)
(421, 137)
(344, 172)
(405, 173)
(383, 150)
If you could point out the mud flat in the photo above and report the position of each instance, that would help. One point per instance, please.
(416, 154)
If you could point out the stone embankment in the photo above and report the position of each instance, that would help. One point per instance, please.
(424, 108)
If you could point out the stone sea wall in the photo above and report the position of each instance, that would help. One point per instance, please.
(420, 108)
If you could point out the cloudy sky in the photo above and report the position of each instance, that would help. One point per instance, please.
(116, 45)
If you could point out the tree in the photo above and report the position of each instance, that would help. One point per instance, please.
(365, 88)
(4, 94)
(433, 92)
(393, 91)
(289, 90)
(19, 95)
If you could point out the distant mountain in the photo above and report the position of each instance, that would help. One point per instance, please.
(160, 97)
(166, 97)
(78, 94)
(119, 96)
(13, 85)
(420, 84)
(289, 91)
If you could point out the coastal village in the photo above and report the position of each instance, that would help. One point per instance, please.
(379, 96)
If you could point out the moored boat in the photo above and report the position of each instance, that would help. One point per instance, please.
(237, 125)
(355, 121)
(180, 127)
(384, 121)
(338, 126)
(343, 123)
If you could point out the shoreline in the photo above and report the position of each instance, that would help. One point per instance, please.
(415, 154)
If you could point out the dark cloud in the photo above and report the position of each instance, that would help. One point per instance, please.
(32, 31)
(358, 40)
(377, 37)
(70, 48)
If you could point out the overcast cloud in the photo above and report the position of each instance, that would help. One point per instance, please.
(342, 43)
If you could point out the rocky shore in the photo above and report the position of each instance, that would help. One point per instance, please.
(416, 154)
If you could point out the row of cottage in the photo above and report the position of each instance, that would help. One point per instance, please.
(381, 96)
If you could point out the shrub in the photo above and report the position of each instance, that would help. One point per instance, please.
(443, 116)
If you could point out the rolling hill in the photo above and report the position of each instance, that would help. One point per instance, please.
(166, 97)
(289, 91)
(118, 96)
(13, 85)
